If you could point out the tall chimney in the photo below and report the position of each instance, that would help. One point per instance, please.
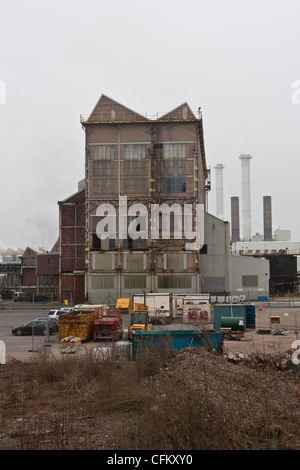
(246, 199)
(219, 190)
(267, 218)
(235, 219)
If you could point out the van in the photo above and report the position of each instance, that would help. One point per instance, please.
(21, 296)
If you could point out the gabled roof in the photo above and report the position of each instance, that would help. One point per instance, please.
(180, 113)
(32, 252)
(109, 110)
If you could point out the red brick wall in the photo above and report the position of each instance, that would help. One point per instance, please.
(72, 288)
(72, 247)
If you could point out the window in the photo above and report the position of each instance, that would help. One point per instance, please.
(174, 282)
(134, 282)
(134, 261)
(175, 261)
(103, 157)
(102, 282)
(50, 261)
(104, 261)
(135, 168)
(250, 281)
(174, 179)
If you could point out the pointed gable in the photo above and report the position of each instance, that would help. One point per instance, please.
(108, 110)
(181, 113)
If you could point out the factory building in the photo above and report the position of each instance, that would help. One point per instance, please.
(149, 162)
(142, 175)
(282, 254)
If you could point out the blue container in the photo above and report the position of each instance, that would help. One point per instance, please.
(228, 310)
(161, 340)
(250, 316)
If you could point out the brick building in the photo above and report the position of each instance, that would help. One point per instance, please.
(47, 274)
(72, 247)
(28, 270)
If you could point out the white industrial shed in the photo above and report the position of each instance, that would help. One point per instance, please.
(221, 272)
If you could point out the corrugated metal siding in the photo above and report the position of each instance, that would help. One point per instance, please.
(213, 284)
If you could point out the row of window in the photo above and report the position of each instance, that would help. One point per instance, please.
(136, 168)
(210, 284)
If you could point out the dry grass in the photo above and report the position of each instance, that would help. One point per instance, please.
(193, 400)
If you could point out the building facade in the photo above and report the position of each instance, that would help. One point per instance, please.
(131, 159)
(47, 275)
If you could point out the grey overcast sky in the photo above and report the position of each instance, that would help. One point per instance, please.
(237, 59)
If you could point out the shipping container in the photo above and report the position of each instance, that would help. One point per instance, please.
(250, 316)
(161, 341)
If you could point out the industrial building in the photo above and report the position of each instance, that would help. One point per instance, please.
(150, 161)
(282, 254)
(153, 162)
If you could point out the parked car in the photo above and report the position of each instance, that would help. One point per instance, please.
(67, 309)
(52, 321)
(37, 327)
(56, 313)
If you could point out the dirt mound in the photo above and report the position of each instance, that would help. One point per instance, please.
(191, 400)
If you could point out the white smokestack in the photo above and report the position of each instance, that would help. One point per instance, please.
(246, 196)
(219, 190)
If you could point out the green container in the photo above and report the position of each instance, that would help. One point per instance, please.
(235, 323)
(228, 310)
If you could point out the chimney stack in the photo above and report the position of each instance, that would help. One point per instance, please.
(267, 218)
(246, 196)
(235, 219)
(219, 190)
